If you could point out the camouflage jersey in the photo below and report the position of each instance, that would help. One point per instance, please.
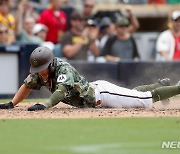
(79, 92)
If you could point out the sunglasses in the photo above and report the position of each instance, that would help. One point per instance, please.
(177, 20)
(122, 26)
(4, 31)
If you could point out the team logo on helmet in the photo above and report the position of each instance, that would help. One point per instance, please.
(35, 62)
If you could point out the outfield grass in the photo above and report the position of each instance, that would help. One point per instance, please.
(89, 136)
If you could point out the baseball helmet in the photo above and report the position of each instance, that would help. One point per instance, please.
(40, 59)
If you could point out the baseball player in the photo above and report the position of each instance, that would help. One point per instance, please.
(69, 87)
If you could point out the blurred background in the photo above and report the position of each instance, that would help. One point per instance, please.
(129, 42)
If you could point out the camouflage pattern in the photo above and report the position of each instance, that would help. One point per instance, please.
(79, 92)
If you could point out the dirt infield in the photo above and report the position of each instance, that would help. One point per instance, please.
(65, 111)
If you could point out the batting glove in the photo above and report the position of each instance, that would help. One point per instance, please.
(36, 107)
(7, 106)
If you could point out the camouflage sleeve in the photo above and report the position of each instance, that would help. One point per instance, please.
(65, 77)
(32, 82)
(56, 97)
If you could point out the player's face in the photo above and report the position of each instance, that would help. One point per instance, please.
(44, 74)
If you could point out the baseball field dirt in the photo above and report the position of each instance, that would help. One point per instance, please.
(65, 111)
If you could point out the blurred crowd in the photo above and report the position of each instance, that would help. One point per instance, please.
(82, 35)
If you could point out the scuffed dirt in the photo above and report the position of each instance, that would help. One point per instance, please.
(65, 111)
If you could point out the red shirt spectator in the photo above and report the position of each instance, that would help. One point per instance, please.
(177, 48)
(55, 20)
(157, 1)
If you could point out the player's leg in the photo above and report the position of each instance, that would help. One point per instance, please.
(160, 83)
(165, 92)
(118, 97)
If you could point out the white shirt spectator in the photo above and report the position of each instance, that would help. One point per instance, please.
(165, 44)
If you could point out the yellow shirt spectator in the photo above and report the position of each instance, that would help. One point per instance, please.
(9, 22)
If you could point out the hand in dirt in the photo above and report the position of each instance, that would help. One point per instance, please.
(36, 107)
(7, 106)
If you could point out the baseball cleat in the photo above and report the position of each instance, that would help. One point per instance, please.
(164, 82)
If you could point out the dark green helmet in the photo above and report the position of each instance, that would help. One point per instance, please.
(40, 59)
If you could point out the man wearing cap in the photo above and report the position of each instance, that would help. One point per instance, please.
(40, 31)
(69, 87)
(121, 46)
(106, 29)
(168, 43)
(77, 42)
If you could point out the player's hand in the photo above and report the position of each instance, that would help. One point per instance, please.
(36, 107)
(7, 106)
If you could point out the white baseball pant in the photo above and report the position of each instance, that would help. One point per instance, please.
(113, 96)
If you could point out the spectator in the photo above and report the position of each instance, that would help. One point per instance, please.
(55, 20)
(24, 32)
(78, 41)
(40, 31)
(3, 35)
(68, 10)
(91, 31)
(168, 43)
(106, 30)
(7, 20)
(107, 26)
(88, 9)
(24, 26)
(27, 9)
(123, 45)
(157, 1)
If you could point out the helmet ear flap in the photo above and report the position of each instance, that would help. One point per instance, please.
(52, 66)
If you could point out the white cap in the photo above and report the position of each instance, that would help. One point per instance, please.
(50, 45)
(38, 27)
(175, 15)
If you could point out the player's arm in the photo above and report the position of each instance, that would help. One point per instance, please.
(63, 81)
(54, 99)
(21, 94)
